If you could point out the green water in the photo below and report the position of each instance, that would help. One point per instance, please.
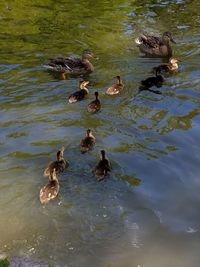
(147, 211)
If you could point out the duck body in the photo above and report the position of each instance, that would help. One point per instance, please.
(95, 105)
(50, 190)
(153, 81)
(154, 46)
(102, 168)
(59, 165)
(115, 88)
(170, 67)
(79, 95)
(88, 142)
(72, 65)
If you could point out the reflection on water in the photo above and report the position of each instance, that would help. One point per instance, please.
(146, 213)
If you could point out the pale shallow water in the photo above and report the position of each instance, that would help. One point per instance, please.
(147, 211)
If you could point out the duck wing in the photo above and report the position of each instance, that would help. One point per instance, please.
(94, 106)
(49, 191)
(77, 96)
(151, 41)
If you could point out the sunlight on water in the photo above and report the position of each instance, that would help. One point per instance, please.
(146, 213)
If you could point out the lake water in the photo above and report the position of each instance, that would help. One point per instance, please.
(146, 213)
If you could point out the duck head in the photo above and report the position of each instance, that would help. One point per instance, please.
(83, 84)
(87, 54)
(60, 153)
(118, 79)
(167, 36)
(103, 154)
(96, 95)
(89, 132)
(53, 175)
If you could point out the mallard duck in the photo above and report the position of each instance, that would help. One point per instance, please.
(156, 46)
(59, 165)
(50, 190)
(95, 105)
(115, 88)
(72, 65)
(153, 81)
(88, 142)
(103, 167)
(79, 95)
(170, 67)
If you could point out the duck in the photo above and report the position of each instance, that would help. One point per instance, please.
(170, 67)
(81, 94)
(72, 65)
(95, 105)
(115, 88)
(59, 164)
(50, 190)
(88, 142)
(156, 46)
(152, 81)
(103, 167)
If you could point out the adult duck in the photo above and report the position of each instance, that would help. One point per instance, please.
(103, 167)
(59, 164)
(171, 67)
(72, 65)
(156, 46)
(80, 94)
(95, 105)
(50, 190)
(88, 142)
(115, 88)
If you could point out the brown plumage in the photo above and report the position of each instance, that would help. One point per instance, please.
(59, 165)
(72, 65)
(50, 190)
(81, 94)
(95, 105)
(88, 142)
(115, 88)
(103, 167)
(156, 46)
(170, 67)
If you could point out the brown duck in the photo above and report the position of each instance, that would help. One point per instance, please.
(50, 190)
(81, 94)
(95, 105)
(103, 167)
(88, 142)
(59, 165)
(156, 46)
(72, 65)
(115, 88)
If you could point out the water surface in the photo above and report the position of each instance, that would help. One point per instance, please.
(147, 211)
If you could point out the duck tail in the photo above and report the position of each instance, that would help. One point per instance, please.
(138, 41)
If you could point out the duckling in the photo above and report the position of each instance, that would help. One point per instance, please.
(88, 142)
(103, 167)
(152, 81)
(81, 94)
(95, 105)
(115, 88)
(72, 65)
(170, 67)
(156, 46)
(59, 165)
(50, 190)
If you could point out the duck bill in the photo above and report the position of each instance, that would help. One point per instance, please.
(172, 40)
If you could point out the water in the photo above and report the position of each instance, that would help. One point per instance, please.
(147, 211)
